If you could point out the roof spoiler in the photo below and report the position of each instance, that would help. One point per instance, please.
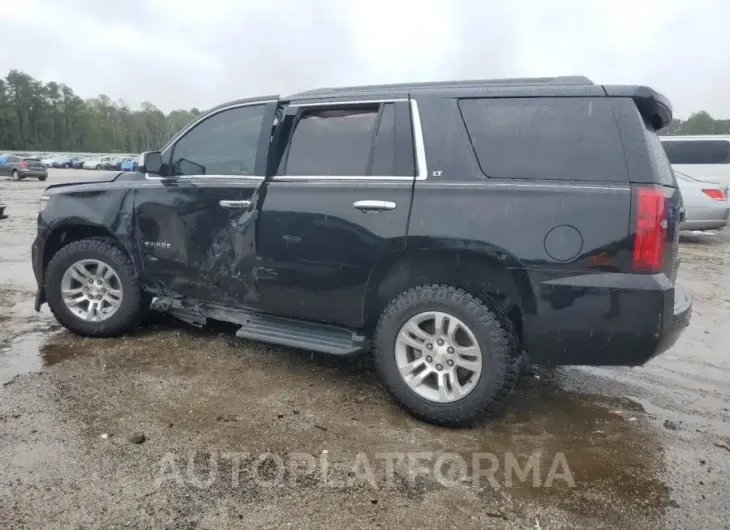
(654, 107)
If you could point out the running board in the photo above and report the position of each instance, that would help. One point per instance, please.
(306, 335)
(311, 336)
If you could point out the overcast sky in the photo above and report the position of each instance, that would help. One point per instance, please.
(198, 53)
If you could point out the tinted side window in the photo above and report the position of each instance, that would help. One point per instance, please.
(383, 163)
(697, 151)
(224, 144)
(332, 142)
(546, 138)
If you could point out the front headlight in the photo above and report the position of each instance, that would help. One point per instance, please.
(42, 203)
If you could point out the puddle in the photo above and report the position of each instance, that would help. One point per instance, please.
(20, 356)
(33, 351)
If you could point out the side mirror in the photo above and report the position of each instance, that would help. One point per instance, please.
(149, 162)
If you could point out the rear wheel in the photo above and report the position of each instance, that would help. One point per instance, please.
(16, 176)
(92, 289)
(444, 355)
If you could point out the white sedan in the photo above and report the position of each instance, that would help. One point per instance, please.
(705, 202)
(96, 163)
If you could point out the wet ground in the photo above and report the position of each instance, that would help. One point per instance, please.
(247, 435)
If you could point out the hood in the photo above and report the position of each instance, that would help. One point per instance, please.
(110, 176)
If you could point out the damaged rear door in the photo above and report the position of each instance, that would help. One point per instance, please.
(195, 223)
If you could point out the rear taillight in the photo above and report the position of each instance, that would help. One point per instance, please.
(715, 193)
(23, 164)
(652, 221)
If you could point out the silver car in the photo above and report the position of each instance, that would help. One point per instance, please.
(706, 203)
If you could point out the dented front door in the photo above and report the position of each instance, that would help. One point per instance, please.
(196, 238)
(195, 226)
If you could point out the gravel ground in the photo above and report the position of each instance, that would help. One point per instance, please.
(233, 433)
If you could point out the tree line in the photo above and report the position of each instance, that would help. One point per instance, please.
(37, 116)
(698, 123)
(51, 117)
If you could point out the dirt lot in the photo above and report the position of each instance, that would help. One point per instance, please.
(248, 435)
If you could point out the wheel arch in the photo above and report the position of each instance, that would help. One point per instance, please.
(63, 234)
(491, 276)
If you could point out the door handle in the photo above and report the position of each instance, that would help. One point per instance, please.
(373, 205)
(235, 205)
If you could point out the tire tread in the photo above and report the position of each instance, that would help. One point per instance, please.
(465, 411)
(127, 316)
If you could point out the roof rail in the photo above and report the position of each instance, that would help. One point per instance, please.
(520, 81)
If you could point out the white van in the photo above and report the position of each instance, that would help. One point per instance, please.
(702, 157)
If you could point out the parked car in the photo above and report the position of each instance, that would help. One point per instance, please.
(706, 203)
(444, 227)
(78, 162)
(702, 157)
(48, 162)
(114, 163)
(19, 168)
(129, 164)
(63, 161)
(96, 162)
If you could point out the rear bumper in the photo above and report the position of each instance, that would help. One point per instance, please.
(606, 319)
(706, 218)
(33, 173)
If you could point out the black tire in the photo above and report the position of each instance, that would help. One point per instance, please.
(16, 177)
(2, 213)
(516, 358)
(496, 341)
(129, 313)
(42, 178)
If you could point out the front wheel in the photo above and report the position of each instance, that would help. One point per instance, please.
(92, 289)
(16, 176)
(444, 355)
(42, 177)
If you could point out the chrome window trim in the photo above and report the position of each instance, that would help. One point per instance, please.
(418, 145)
(293, 178)
(217, 177)
(343, 103)
(195, 124)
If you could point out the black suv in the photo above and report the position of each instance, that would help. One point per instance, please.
(446, 227)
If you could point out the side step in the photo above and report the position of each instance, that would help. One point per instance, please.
(299, 334)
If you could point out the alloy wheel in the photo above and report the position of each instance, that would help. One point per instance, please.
(438, 357)
(91, 290)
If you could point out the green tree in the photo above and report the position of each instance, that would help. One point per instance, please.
(51, 117)
(698, 123)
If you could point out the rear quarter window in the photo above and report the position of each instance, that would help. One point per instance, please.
(697, 151)
(545, 138)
